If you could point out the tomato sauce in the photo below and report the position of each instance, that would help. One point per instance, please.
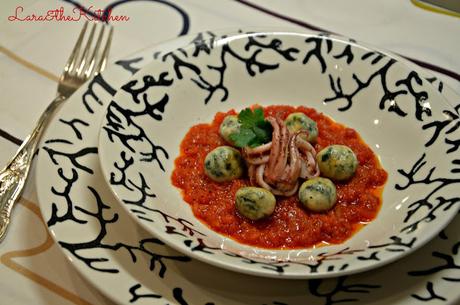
(291, 226)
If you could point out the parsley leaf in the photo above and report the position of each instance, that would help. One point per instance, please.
(254, 129)
(251, 118)
(243, 137)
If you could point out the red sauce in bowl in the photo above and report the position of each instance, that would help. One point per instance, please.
(291, 226)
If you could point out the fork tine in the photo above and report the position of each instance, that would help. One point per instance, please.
(84, 56)
(76, 50)
(105, 53)
(91, 64)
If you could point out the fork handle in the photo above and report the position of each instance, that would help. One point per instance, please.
(15, 173)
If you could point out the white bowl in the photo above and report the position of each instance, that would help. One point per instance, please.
(397, 113)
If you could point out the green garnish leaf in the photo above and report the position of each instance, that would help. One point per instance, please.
(243, 137)
(254, 130)
(250, 118)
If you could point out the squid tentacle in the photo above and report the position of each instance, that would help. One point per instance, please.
(277, 166)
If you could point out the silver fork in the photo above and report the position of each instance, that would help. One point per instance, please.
(83, 63)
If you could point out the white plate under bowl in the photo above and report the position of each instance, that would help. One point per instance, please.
(394, 110)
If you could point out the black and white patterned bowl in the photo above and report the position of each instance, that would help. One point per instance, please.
(398, 113)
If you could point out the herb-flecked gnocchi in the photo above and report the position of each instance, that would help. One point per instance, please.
(255, 202)
(230, 125)
(223, 163)
(337, 162)
(318, 194)
(298, 121)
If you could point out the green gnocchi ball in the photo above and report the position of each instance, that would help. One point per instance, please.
(337, 162)
(255, 202)
(299, 121)
(229, 125)
(223, 163)
(318, 194)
